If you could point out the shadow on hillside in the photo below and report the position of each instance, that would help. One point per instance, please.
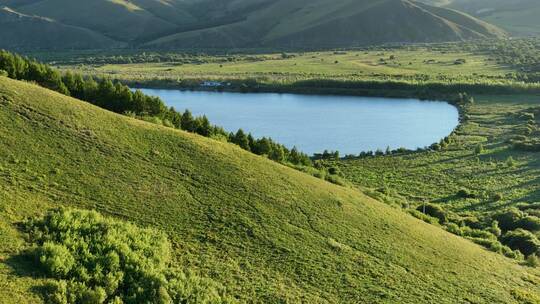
(25, 265)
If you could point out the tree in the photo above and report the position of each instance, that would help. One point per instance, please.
(204, 128)
(186, 122)
(277, 153)
(241, 139)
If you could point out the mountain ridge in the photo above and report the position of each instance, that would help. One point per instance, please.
(179, 24)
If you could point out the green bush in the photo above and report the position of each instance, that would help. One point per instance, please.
(509, 218)
(522, 240)
(514, 218)
(99, 260)
(464, 193)
(531, 223)
(532, 261)
(424, 217)
(433, 211)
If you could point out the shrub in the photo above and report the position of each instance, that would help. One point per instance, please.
(532, 261)
(497, 197)
(4, 73)
(464, 193)
(424, 217)
(508, 219)
(433, 211)
(479, 149)
(494, 229)
(453, 228)
(531, 223)
(100, 260)
(496, 246)
(522, 240)
(477, 233)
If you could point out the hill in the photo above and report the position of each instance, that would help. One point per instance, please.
(266, 232)
(120, 20)
(519, 17)
(325, 23)
(263, 23)
(19, 30)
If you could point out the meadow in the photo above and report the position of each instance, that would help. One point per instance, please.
(391, 63)
(481, 176)
(265, 232)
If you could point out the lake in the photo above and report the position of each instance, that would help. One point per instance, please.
(313, 123)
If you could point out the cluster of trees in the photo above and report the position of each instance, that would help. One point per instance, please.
(529, 131)
(266, 146)
(119, 98)
(93, 259)
(186, 57)
(512, 232)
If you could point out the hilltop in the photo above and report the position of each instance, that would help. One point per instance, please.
(255, 24)
(266, 232)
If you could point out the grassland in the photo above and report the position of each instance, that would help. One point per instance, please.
(417, 63)
(266, 232)
(493, 121)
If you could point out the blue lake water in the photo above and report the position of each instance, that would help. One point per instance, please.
(314, 123)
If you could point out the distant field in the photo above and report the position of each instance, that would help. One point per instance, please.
(379, 64)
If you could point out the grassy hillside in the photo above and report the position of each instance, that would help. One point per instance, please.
(266, 232)
(19, 30)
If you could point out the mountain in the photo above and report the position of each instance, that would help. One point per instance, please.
(266, 232)
(260, 23)
(18, 30)
(119, 19)
(323, 23)
(518, 17)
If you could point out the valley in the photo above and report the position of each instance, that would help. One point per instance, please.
(269, 151)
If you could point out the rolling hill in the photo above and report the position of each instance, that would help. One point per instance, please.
(266, 232)
(518, 17)
(262, 23)
(18, 30)
(323, 23)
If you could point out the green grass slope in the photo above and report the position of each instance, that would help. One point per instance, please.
(266, 232)
(18, 30)
(323, 23)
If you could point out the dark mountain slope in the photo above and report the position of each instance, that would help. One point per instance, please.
(118, 19)
(302, 23)
(23, 31)
(262, 23)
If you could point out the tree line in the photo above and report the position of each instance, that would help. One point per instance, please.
(117, 97)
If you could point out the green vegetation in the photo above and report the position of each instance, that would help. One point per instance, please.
(263, 231)
(98, 260)
(479, 182)
(429, 71)
(120, 99)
